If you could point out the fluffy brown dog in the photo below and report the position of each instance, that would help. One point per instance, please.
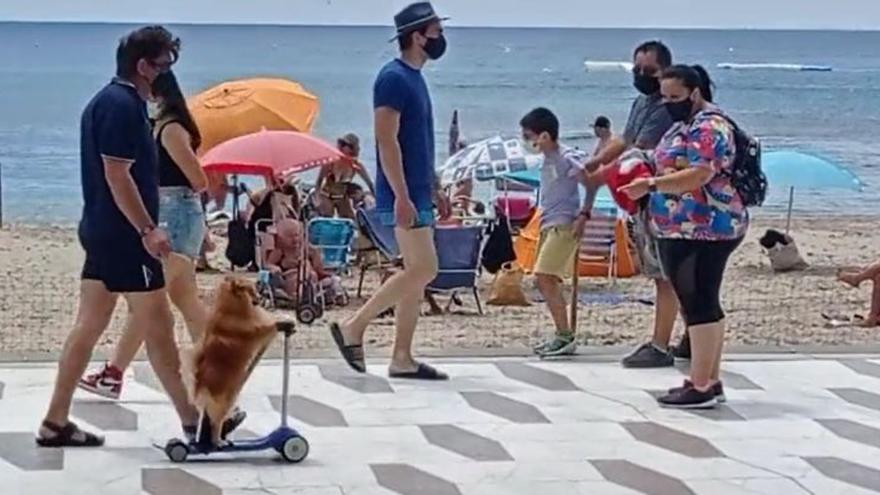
(237, 332)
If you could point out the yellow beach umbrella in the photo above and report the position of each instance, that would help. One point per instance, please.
(245, 106)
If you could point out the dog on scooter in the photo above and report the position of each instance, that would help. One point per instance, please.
(238, 331)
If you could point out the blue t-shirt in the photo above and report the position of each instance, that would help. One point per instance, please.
(403, 88)
(115, 124)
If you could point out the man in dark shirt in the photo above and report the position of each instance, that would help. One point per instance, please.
(119, 233)
(647, 123)
(406, 191)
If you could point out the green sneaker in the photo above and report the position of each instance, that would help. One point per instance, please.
(561, 345)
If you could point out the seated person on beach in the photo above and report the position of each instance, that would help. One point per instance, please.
(461, 198)
(855, 277)
(284, 256)
(338, 193)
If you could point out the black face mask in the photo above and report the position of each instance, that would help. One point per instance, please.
(679, 111)
(435, 47)
(647, 85)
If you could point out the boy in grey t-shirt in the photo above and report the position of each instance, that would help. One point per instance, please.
(562, 223)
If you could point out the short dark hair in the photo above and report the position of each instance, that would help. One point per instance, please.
(659, 49)
(405, 40)
(603, 122)
(692, 77)
(541, 120)
(149, 43)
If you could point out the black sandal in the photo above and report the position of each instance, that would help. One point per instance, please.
(353, 354)
(69, 436)
(422, 372)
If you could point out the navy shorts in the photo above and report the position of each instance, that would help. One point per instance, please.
(121, 264)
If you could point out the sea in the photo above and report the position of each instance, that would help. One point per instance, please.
(48, 71)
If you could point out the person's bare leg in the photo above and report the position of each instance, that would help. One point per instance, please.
(551, 289)
(873, 318)
(180, 276)
(406, 317)
(665, 313)
(420, 267)
(150, 310)
(96, 306)
(716, 369)
(855, 278)
(704, 349)
(129, 344)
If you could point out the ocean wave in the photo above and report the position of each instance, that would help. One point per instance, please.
(775, 66)
(607, 66)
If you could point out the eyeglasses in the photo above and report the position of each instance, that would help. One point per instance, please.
(161, 67)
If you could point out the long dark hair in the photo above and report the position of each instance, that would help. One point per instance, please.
(174, 107)
(692, 76)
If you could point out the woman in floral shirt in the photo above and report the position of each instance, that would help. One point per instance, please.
(699, 219)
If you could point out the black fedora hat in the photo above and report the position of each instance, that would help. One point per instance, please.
(414, 16)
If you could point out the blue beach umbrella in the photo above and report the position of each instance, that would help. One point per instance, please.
(796, 170)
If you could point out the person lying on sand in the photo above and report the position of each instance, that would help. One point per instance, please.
(855, 277)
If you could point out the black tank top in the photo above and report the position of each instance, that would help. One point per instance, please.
(170, 174)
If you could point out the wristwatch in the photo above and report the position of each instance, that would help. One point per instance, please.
(652, 185)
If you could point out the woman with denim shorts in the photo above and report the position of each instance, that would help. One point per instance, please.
(181, 182)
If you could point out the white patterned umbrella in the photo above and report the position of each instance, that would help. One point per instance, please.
(487, 160)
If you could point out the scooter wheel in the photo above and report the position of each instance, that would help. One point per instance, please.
(295, 449)
(177, 451)
(306, 315)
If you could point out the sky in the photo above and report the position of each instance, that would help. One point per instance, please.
(732, 14)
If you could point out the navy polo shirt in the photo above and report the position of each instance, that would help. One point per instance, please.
(115, 125)
(401, 87)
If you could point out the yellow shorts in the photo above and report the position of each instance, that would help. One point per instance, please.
(557, 248)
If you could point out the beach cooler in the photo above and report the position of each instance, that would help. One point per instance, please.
(518, 209)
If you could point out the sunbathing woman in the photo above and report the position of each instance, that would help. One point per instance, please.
(854, 277)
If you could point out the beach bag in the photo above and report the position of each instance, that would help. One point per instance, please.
(240, 249)
(507, 287)
(499, 246)
(784, 257)
(746, 173)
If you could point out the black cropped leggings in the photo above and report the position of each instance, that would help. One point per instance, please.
(696, 269)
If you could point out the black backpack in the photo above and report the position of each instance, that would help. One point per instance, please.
(240, 249)
(746, 174)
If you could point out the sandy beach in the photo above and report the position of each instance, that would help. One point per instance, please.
(39, 271)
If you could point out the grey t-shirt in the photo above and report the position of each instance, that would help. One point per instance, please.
(560, 200)
(648, 122)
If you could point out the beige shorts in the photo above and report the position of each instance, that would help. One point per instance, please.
(557, 248)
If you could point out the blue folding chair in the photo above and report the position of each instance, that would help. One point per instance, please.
(383, 241)
(333, 237)
(458, 254)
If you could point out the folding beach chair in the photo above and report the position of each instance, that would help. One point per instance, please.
(383, 251)
(334, 238)
(599, 243)
(458, 254)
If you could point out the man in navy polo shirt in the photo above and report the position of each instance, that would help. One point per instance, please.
(119, 233)
(406, 191)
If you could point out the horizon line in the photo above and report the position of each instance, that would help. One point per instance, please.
(465, 26)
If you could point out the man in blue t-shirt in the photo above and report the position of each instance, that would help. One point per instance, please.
(406, 191)
(120, 235)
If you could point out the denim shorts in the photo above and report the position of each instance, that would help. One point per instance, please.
(182, 216)
(424, 218)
